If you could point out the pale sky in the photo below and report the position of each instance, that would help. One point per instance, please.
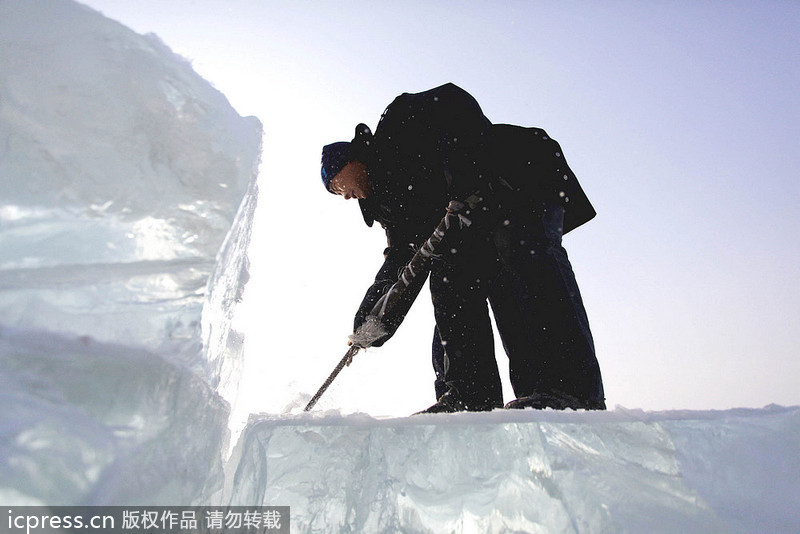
(680, 119)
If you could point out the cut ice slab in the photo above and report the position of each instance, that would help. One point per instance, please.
(525, 471)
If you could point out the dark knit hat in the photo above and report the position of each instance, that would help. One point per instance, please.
(334, 157)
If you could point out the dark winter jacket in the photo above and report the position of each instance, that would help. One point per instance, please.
(436, 146)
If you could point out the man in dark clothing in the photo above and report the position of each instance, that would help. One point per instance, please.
(433, 147)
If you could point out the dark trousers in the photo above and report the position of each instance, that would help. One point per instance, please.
(521, 269)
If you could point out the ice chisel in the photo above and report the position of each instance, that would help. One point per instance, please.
(345, 361)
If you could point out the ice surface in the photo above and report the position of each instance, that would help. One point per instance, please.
(121, 174)
(619, 471)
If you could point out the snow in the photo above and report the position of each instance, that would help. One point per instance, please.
(122, 173)
(127, 195)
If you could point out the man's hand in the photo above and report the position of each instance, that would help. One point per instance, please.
(371, 333)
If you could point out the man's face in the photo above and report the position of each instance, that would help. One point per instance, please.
(352, 181)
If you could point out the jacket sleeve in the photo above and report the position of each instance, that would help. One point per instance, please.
(398, 253)
(445, 129)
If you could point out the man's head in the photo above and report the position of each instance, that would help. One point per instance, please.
(334, 157)
(343, 170)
